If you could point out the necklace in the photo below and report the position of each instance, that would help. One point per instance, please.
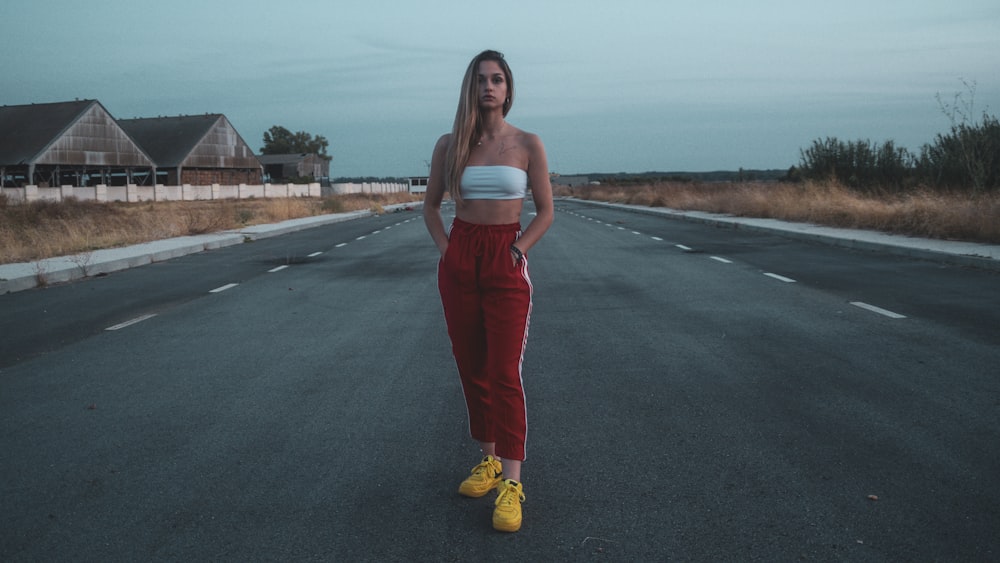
(479, 143)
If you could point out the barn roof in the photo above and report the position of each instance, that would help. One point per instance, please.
(27, 130)
(78, 133)
(207, 140)
(169, 140)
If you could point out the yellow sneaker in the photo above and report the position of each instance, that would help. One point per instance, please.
(484, 478)
(507, 514)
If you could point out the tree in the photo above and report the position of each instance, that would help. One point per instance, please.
(278, 140)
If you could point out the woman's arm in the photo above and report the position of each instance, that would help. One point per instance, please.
(541, 193)
(435, 194)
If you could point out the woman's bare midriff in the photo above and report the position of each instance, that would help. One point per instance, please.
(490, 211)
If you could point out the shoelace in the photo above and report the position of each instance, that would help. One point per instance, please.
(484, 468)
(506, 496)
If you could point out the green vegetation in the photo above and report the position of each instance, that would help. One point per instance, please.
(967, 158)
(278, 140)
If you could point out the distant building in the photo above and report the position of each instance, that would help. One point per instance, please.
(278, 168)
(570, 180)
(195, 149)
(68, 144)
(418, 184)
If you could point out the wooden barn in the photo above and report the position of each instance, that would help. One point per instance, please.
(68, 144)
(195, 149)
(280, 168)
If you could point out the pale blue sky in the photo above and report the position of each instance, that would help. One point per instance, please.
(616, 86)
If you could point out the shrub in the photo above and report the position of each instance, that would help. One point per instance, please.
(968, 156)
(861, 165)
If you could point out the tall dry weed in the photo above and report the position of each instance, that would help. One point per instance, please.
(932, 214)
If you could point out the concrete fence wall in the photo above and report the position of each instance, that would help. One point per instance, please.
(188, 192)
(159, 192)
(367, 188)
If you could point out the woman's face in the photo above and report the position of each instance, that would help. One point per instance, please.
(492, 85)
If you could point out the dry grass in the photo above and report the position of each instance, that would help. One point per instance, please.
(45, 229)
(955, 216)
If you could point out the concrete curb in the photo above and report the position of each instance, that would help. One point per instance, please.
(29, 275)
(971, 254)
(292, 225)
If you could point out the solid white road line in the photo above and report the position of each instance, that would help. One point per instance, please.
(278, 269)
(878, 310)
(780, 278)
(224, 288)
(720, 259)
(132, 322)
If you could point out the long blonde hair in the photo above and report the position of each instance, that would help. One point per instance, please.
(468, 121)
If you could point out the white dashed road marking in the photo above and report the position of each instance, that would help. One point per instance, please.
(862, 305)
(278, 269)
(131, 322)
(779, 278)
(223, 288)
(878, 310)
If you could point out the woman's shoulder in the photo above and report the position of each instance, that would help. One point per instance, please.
(529, 140)
(441, 146)
(443, 140)
(526, 138)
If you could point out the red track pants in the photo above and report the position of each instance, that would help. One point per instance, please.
(487, 305)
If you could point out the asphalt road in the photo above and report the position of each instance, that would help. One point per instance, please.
(694, 393)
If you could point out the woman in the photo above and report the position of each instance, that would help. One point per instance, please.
(486, 165)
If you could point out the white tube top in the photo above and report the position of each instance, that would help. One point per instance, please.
(494, 182)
